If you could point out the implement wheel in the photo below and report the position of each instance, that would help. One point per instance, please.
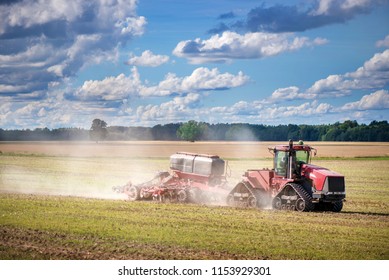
(182, 196)
(133, 193)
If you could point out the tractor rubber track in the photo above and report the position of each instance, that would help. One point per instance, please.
(260, 196)
(256, 198)
(303, 202)
(304, 195)
(253, 193)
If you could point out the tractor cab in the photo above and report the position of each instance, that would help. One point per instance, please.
(289, 158)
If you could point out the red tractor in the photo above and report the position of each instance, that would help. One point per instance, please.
(293, 183)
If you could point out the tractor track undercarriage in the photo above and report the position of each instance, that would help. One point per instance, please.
(243, 195)
(293, 197)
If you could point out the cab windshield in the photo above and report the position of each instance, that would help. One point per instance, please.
(281, 159)
(302, 156)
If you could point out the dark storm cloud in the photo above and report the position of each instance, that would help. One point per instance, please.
(282, 18)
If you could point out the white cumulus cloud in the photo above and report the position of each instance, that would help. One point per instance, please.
(378, 100)
(231, 45)
(148, 59)
(373, 74)
(28, 13)
(383, 43)
(111, 88)
(122, 86)
(289, 93)
(331, 7)
(201, 79)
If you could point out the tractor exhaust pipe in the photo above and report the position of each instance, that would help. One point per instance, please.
(290, 160)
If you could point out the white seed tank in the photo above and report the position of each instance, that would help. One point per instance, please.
(207, 165)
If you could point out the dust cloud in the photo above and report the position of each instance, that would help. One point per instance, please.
(74, 169)
(88, 169)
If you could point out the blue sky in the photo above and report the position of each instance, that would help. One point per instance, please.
(64, 63)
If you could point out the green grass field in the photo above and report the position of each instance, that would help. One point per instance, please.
(54, 207)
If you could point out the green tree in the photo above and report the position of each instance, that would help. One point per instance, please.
(191, 130)
(98, 130)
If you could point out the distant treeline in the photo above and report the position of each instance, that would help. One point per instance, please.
(377, 131)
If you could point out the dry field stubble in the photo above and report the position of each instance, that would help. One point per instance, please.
(238, 150)
(56, 222)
